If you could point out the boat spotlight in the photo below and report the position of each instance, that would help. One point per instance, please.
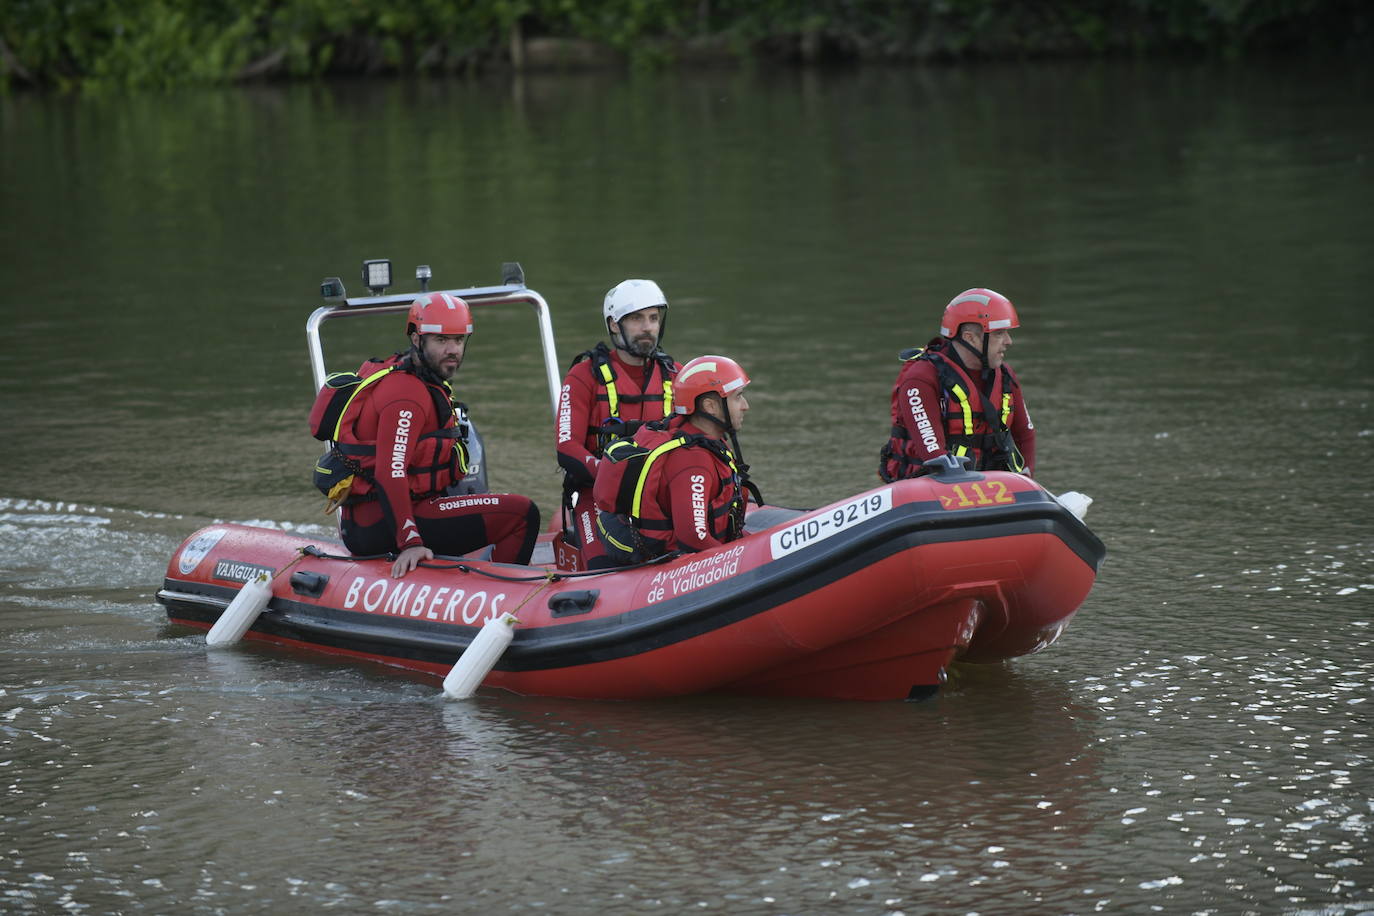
(377, 275)
(423, 273)
(512, 274)
(332, 288)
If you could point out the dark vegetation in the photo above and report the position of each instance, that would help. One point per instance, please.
(71, 43)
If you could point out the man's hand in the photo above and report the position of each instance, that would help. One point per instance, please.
(409, 559)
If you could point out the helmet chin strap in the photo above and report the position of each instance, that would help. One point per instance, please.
(727, 426)
(984, 369)
(620, 343)
(421, 362)
(741, 467)
(618, 339)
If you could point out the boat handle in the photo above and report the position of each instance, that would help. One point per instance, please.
(565, 604)
(310, 584)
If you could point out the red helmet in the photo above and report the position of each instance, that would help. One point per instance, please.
(439, 313)
(986, 308)
(705, 374)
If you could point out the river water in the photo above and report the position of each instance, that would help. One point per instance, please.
(1188, 246)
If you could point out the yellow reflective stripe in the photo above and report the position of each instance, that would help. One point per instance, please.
(1006, 409)
(607, 535)
(376, 376)
(667, 397)
(617, 446)
(964, 408)
(608, 378)
(730, 459)
(644, 472)
(462, 456)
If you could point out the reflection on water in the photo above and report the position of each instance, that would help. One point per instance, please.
(791, 806)
(1197, 741)
(1233, 778)
(1009, 787)
(762, 792)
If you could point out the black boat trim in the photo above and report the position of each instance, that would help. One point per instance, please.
(663, 623)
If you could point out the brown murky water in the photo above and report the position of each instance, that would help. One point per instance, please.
(1189, 250)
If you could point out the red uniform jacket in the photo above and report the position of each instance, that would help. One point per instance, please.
(400, 414)
(585, 404)
(931, 417)
(688, 495)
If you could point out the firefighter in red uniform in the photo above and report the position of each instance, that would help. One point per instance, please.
(677, 485)
(610, 392)
(405, 443)
(958, 396)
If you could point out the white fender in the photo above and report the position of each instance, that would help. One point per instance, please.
(1075, 502)
(241, 612)
(480, 656)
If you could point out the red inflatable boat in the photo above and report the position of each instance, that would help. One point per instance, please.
(871, 598)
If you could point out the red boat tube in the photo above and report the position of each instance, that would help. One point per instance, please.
(869, 598)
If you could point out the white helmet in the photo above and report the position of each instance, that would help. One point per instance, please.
(632, 296)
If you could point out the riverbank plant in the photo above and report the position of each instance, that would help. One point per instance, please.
(165, 43)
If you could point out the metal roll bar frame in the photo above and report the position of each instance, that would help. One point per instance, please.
(476, 297)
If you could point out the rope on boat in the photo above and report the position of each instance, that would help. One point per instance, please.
(548, 576)
(317, 552)
(549, 579)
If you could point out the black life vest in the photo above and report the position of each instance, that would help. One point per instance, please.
(606, 392)
(621, 483)
(331, 418)
(974, 425)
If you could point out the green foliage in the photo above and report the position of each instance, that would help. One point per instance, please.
(127, 42)
(163, 43)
